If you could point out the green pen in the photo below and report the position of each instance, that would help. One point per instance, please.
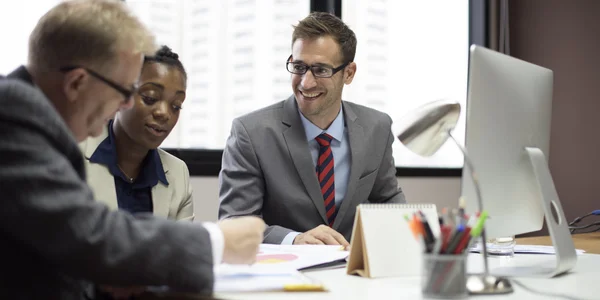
(476, 231)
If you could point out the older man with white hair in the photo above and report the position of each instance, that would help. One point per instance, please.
(85, 58)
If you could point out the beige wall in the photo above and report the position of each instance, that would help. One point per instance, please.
(565, 36)
(441, 191)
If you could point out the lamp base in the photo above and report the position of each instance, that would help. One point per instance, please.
(481, 284)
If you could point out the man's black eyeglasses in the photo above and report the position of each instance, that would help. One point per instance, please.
(127, 93)
(319, 71)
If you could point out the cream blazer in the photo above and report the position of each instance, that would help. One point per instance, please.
(173, 201)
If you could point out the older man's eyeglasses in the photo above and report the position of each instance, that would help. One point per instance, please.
(319, 71)
(127, 93)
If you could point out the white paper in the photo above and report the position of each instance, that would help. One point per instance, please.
(389, 244)
(276, 266)
(256, 278)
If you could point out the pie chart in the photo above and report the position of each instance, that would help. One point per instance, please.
(275, 258)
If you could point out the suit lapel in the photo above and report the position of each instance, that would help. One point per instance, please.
(103, 185)
(161, 199)
(162, 195)
(295, 139)
(357, 150)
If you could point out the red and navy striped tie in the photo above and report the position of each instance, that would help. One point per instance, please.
(325, 175)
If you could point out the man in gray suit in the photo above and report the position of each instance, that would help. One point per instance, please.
(85, 58)
(304, 164)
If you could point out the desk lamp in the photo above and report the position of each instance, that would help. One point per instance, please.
(424, 132)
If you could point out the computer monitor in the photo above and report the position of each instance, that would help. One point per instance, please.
(509, 106)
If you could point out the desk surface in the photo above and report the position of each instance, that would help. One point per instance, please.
(579, 284)
(590, 242)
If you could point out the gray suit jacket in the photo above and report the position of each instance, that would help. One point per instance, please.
(267, 170)
(55, 239)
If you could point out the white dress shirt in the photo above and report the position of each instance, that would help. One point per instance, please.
(217, 241)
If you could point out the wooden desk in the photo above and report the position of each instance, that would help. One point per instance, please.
(590, 242)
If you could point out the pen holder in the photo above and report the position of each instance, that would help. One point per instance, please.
(444, 276)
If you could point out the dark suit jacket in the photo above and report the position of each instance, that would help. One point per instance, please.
(55, 240)
(268, 171)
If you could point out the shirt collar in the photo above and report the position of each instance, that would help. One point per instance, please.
(22, 74)
(336, 129)
(152, 169)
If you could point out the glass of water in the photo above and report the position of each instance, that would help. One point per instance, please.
(501, 246)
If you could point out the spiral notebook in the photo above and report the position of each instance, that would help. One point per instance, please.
(382, 243)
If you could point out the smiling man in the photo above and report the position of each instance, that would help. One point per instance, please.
(305, 163)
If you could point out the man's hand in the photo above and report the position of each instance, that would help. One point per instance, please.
(242, 236)
(321, 235)
(122, 292)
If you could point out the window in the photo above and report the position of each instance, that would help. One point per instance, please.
(234, 52)
(410, 53)
(17, 20)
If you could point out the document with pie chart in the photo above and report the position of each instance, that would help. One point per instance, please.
(277, 268)
(299, 257)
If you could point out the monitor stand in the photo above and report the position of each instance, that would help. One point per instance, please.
(566, 257)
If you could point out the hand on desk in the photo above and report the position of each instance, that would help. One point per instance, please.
(321, 235)
(242, 237)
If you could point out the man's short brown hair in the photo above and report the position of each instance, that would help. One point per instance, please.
(319, 24)
(88, 33)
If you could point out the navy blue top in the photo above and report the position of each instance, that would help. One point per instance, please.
(136, 196)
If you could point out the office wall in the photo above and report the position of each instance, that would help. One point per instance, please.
(565, 36)
(441, 191)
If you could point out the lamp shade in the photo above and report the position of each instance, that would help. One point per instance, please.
(425, 129)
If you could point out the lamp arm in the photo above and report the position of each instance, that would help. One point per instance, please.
(479, 201)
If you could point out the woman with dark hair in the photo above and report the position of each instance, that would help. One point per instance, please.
(125, 168)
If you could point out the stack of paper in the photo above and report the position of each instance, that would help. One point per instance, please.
(277, 269)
